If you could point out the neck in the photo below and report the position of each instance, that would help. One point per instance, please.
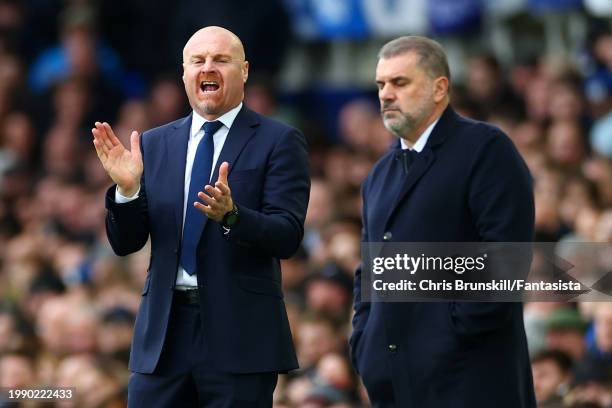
(412, 137)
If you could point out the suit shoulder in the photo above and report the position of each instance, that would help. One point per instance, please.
(474, 134)
(160, 130)
(479, 130)
(276, 127)
(152, 138)
(484, 142)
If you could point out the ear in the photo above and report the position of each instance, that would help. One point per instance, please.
(440, 89)
(183, 77)
(245, 71)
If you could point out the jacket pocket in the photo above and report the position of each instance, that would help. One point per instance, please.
(261, 286)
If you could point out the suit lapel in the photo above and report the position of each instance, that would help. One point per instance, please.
(425, 159)
(422, 163)
(239, 134)
(242, 129)
(176, 146)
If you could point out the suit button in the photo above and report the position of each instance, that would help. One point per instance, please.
(392, 348)
(387, 236)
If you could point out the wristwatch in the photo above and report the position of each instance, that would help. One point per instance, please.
(230, 218)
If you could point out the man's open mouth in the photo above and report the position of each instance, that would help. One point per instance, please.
(209, 86)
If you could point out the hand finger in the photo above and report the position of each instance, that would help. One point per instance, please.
(208, 200)
(99, 140)
(104, 136)
(223, 188)
(223, 170)
(214, 192)
(135, 143)
(99, 150)
(202, 207)
(205, 209)
(111, 134)
(215, 206)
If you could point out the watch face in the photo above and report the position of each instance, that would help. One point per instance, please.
(231, 219)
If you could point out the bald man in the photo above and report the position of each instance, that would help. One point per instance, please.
(222, 195)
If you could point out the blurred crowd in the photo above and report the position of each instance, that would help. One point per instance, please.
(68, 304)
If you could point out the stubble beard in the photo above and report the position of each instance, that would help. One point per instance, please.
(209, 107)
(406, 123)
(400, 126)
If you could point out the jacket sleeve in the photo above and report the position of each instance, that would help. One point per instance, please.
(278, 227)
(361, 308)
(127, 224)
(502, 205)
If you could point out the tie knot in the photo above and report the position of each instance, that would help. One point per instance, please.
(405, 154)
(211, 127)
(406, 157)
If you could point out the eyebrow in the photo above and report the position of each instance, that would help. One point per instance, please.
(215, 56)
(392, 79)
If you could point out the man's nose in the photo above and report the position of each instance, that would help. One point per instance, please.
(208, 65)
(386, 94)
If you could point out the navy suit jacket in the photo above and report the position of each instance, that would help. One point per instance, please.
(239, 276)
(468, 184)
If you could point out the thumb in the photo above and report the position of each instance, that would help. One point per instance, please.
(223, 169)
(135, 144)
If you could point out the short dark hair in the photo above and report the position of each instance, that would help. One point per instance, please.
(561, 359)
(432, 57)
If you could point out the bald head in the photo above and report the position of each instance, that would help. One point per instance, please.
(218, 35)
(214, 71)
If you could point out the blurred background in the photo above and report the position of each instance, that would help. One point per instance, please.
(539, 69)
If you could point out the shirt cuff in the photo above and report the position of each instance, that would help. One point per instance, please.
(121, 199)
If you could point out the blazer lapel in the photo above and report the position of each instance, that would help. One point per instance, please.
(241, 131)
(176, 146)
(422, 163)
(425, 159)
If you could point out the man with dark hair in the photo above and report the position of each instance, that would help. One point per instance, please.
(447, 179)
(551, 377)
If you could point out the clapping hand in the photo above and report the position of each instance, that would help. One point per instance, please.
(123, 166)
(218, 201)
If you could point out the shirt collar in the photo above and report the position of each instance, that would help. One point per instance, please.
(227, 119)
(422, 140)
